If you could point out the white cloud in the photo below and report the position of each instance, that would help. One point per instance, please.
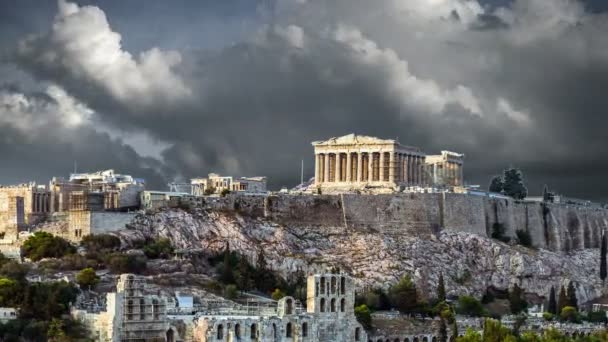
(521, 117)
(82, 43)
(411, 91)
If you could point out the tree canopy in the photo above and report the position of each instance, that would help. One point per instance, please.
(44, 245)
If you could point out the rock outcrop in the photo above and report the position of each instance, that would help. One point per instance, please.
(377, 257)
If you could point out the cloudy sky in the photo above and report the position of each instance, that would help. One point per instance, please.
(168, 90)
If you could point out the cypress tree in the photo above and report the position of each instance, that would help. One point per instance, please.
(562, 301)
(441, 289)
(572, 301)
(454, 330)
(443, 331)
(496, 184)
(603, 271)
(227, 275)
(552, 304)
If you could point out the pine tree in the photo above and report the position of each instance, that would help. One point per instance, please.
(454, 330)
(514, 184)
(562, 301)
(516, 300)
(227, 275)
(496, 184)
(572, 301)
(603, 271)
(441, 289)
(552, 304)
(443, 331)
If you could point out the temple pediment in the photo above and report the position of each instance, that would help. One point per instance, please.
(353, 139)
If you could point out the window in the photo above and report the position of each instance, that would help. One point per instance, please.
(304, 329)
(322, 305)
(322, 282)
(333, 285)
(343, 285)
(357, 334)
(220, 332)
(289, 309)
(254, 331)
(333, 305)
(342, 304)
(288, 330)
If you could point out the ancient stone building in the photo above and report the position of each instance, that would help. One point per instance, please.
(21, 205)
(215, 184)
(359, 162)
(446, 169)
(131, 315)
(328, 316)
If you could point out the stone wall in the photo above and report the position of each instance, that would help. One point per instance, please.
(556, 227)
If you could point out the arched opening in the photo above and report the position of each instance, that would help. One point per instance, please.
(304, 329)
(333, 285)
(170, 337)
(406, 340)
(322, 283)
(288, 330)
(357, 334)
(322, 305)
(333, 305)
(253, 331)
(396, 340)
(415, 339)
(342, 305)
(379, 340)
(434, 339)
(343, 285)
(425, 339)
(237, 331)
(274, 331)
(220, 332)
(289, 309)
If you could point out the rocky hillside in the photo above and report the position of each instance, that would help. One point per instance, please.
(470, 263)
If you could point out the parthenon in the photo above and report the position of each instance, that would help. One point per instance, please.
(357, 162)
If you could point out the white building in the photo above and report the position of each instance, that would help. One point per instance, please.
(215, 184)
(7, 314)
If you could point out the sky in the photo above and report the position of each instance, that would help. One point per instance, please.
(169, 90)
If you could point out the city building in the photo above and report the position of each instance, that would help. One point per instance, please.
(215, 184)
(355, 162)
(7, 314)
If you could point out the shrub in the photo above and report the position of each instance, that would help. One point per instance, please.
(364, 316)
(498, 232)
(126, 263)
(403, 295)
(100, 243)
(231, 291)
(277, 294)
(597, 317)
(569, 314)
(524, 238)
(470, 306)
(224, 192)
(160, 248)
(548, 316)
(44, 245)
(87, 278)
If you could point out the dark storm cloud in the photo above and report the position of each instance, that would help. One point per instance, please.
(507, 84)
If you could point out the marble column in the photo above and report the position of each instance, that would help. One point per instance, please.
(381, 168)
(392, 168)
(326, 168)
(417, 170)
(317, 165)
(349, 167)
(359, 167)
(370, 167)
(338, 168)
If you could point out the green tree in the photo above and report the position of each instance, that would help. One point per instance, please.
(493, 331)
(125, 263)
(470, 306)
(224, 192)
(547, 316)
(403, 295)
(265, 280)
(443, 331)
(496, 184)
(161, 248)
(244, 274)
(231, 291)
(87, 278)
(569, 314)
(100, 242)
(277, 294)
(56, 331)
(562, 301)
(517, 302)
(529, 336)
(470, 336)
(227, 276)
(44, 245)
(454, 330)
(603, 269)
(571, 293)
(552, 308)
(364, 316)
(524, 238)
(514, 184)
(441, 289)
(10, 292)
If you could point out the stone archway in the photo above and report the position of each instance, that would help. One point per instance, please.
(170, 336)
